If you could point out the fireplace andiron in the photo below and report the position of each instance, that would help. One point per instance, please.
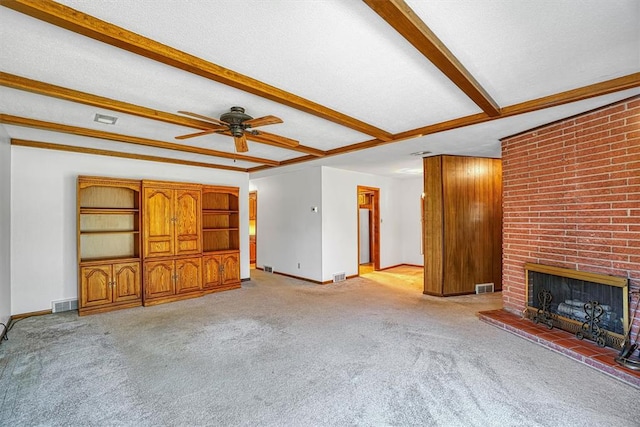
(625, 357)
(591, 326)
(543, 315)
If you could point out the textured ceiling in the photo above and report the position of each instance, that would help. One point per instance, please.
(340, 55)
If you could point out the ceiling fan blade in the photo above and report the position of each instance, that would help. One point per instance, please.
(199, 116)
(193, 135)
(241, 143)
(262, 121)
(279, 139)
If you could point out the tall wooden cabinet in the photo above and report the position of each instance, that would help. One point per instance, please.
(108, 230)
(172, 241)
(171, 219)
(462, 224)
(151, 242)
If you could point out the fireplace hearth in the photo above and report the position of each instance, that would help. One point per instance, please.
(590, 305)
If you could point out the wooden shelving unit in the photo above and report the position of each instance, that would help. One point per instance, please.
(220, 219)
(220, 238)
(108, 231)
(153, 242)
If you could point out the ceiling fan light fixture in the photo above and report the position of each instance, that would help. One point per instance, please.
(236, 116)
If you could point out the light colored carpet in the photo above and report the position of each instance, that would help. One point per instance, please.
(371, 351)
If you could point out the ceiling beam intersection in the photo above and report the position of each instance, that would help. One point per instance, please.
(405, 21)
(579, 94)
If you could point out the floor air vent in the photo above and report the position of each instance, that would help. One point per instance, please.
(484, 288)
(64, 305)
(339, 277)
(268, 269)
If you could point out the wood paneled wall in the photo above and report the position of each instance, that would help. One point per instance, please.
(462, 223)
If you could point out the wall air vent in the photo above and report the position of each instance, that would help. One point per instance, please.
(268, 269)
(484, 288)
(339, 277)
(64, 305)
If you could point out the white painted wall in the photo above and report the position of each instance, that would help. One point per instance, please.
(410, 199)
(5, 228)
(340, 220)
(288, 232)
(43, 216)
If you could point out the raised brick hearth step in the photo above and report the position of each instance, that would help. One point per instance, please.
(601, 359)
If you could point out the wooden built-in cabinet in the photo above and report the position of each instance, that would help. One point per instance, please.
(221, 271)
(108, 242)
(221, 238)
(462, 224)
(172, 279)
(172, 230)
(103, 285)
(171, 219)
(150, 242)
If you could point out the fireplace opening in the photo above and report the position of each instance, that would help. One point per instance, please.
(592, 306)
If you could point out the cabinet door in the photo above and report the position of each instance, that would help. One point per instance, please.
(188, 217)
(159, 220)
(95, 283)
(211, 266)
(126, 278)
(188, 275)
(159, 279)
(230, 269)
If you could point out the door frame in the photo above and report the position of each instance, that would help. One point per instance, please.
(254, 193)
(375, 225)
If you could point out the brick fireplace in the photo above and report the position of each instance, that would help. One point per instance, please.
(571, 198)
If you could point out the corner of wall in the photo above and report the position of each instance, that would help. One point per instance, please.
(5, 228)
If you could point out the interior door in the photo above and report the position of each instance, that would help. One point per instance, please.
(365, 255)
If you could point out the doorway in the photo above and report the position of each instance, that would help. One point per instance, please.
(368, 229)
(253, 228)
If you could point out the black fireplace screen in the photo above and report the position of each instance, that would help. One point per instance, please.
(571, 297)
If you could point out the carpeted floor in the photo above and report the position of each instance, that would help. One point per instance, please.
(371, 351)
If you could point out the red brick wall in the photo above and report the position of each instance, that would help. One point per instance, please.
(571, 195)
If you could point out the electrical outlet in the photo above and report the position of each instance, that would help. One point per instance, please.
(298, 265)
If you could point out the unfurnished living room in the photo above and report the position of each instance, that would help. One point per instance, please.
(319, 213)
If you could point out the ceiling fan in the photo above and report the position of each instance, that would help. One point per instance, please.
(238, 124)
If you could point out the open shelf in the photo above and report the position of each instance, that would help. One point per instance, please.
(220, 219)
(108, 220)
(107, 211)
(218, 212)
(108, 260)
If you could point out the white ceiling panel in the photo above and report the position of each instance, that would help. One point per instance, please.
(522, 50)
